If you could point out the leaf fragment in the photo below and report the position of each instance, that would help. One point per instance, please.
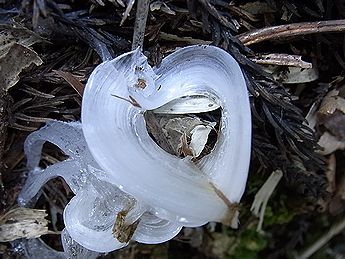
(23, 223)
(13, 61)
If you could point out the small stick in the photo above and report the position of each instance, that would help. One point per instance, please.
(291, 30)
(333, 231)
(140, 23)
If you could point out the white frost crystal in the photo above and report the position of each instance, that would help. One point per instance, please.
(126, 187)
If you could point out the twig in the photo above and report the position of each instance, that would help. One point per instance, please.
(291, 30)
(335, 230)
(281, 59)
(140, 23)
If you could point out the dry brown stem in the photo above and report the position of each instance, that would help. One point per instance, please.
(291, 30)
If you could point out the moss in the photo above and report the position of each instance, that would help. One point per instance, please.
(281, 215)
(249, 244)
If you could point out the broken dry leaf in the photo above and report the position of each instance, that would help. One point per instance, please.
(257, 7)
(331, 115)
(331, 103)
(175, 126)
(334, 123)
(199, 138)
(292, 75)
(160, 5)
(23, 223)
(121, 230)
(16, 33)
(13, 61)
(330, 143)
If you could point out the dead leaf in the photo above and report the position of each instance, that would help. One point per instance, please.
(293, 75)
(174, 127)
(335, 124)
(23, 223)
(16, 33)
(331, 103)
(123, 231)
(330, 143)
(13, 61)
(257, 7)
(331, 115)
(199, 139)
(160, 5)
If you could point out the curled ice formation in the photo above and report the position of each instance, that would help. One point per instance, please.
(126, 186)
(116, 133)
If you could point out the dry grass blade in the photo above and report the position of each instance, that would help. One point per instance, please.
(72, 81)
(23, 223)
(32, 91)
(24, 117)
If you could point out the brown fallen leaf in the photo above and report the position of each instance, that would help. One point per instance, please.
(16, 33)
(16, 58)
(331, 103)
